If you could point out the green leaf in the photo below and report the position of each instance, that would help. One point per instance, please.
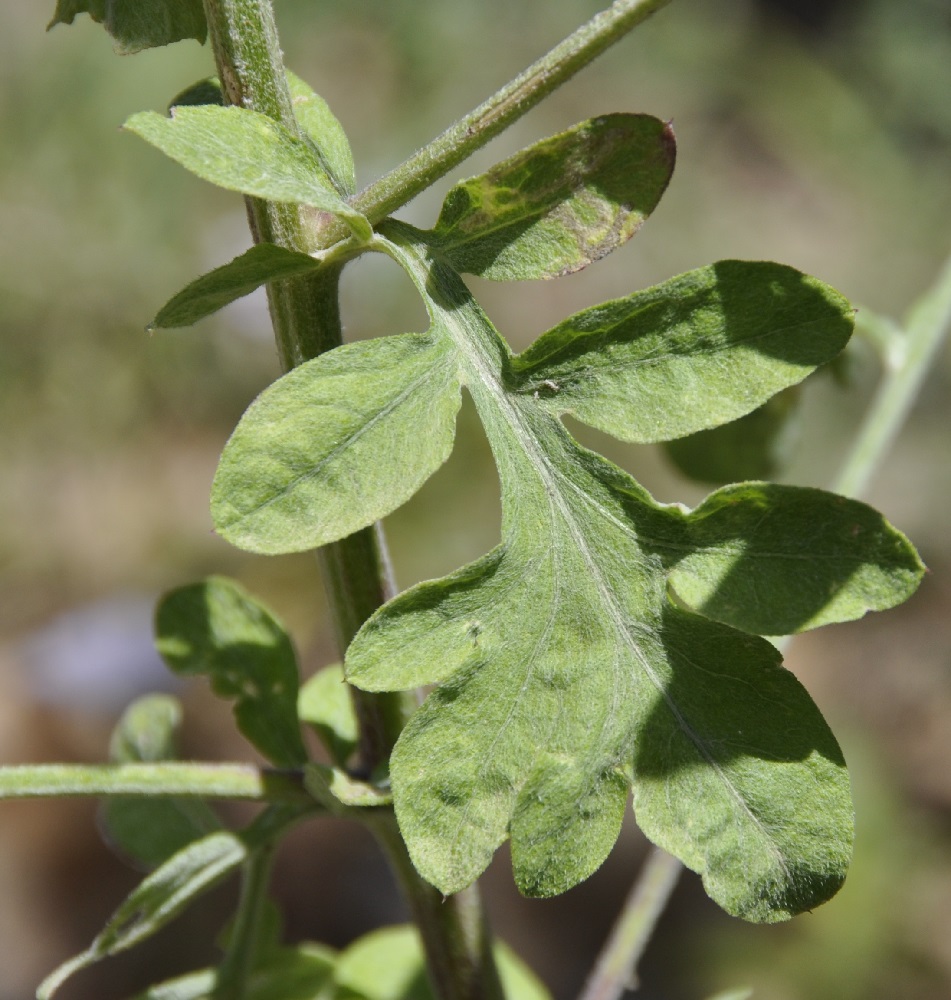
(388, 964)
(207, 91)
(775, 560)
(245, 151)
(565, 675)
(561, 204)
(325, 131)
(338, 437)
(213, 291)
(694, 352)
(217, 628)
(151, 830)
(156, 901)
(333, 788)
(325, 704)
(139, 24)
(756, 446)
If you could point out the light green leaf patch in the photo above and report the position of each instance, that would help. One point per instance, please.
(697, 351)
(245, 151)
(151, 830)
(565, 675)
(264, 262)
(559, 205)
(325, 704)
(139, 24)
(325, 131)
(216, 628)
(337, 443)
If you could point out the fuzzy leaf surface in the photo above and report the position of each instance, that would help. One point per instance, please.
(151, 830)
(139, 24)
(565, 675)
(156, 901)
(264, 262)
(325, 131)
(694, 352)
(561, 204)
(246, 151)
(335, 444)
(216, 628)
(325, 704)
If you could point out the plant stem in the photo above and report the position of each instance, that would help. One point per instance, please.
(504, 107)
(209, 781)
(616, 968)
(926, 328)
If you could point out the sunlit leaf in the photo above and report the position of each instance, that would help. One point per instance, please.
(139, 24)
(245, 151)
(151, 830)
(216, 628)
(325, 704)
(560, 204)
(325, 131)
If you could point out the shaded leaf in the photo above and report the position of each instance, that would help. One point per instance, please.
(756, 446)
(388, 964)
(338, 437)
(245, 151)
(213, 291)
(207, 91)
(325, 131)
(696, 351)
(151, 830)
(139, 24)
(333, 788)
(325, 704)
(156, 901)
(561, 204)
(216, 628)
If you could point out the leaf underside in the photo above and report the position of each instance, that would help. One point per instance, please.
(139, 24)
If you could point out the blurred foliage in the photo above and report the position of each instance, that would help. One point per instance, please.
(824, 143)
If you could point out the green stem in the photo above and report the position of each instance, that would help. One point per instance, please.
(926, 328)
(616, 968)
(209, 781)
(504, 107)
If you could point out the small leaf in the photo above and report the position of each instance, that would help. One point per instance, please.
(151, 830)
(756, 446)
(561, 204)
(207, 91)
(336, 444)
(775, 560)
(325, 131)
(156, 901)
(388, 964)
(333, 788)
(139, 24)
(213, 291)
(325, 704)
(694, 352)
(217, 628)
(245, 151)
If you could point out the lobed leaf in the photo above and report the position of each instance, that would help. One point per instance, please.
(217, 628)
(321, 126)
(335, 444)
(139, 24)
(696, 351)
(151, 830)
(246, 151)
(156, 901)
(264, 262)
(559, 205)
(325, 704)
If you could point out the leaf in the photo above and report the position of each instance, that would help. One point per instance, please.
(694, 352)
(561, 204)
(775, 560)
(156, 901)
(333, 788)
(151, 830)
(139, 24)
(325, 131)
(565, 675)
(325, 704)
(338, 436)
(217, 628)
(755, 446)
(206, 91)
(245, 151)
(213, 291)
(388, 964)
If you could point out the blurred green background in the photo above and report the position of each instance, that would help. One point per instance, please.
(818, 135)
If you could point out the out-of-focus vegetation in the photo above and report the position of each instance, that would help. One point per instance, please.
(824, 145)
